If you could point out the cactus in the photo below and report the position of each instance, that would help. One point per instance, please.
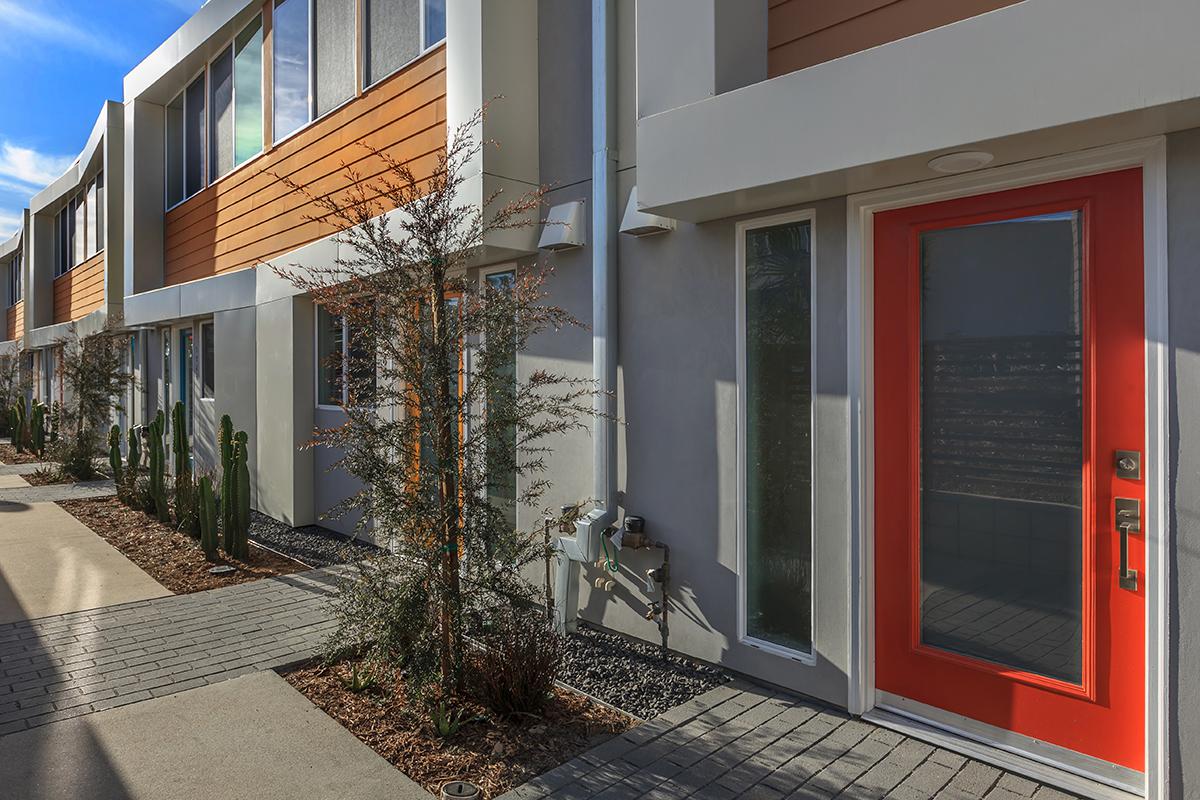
(135, 452)
(158, 457)
(55, 418)
(39, 429)
(240, 500)
(228, 480)
(114, 453)
(208, 519)
(180, 443)
(12, 425)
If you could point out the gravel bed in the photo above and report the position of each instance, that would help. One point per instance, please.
(632, 675)
(311, 544)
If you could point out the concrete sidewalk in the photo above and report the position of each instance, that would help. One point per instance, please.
(51, 563)
(251, 737)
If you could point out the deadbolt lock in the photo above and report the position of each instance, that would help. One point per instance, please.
(1129, 465)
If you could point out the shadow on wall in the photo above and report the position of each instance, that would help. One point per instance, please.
(56, 760)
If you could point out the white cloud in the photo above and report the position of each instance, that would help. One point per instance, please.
(10, 222)
(24, 167)
(19, 19)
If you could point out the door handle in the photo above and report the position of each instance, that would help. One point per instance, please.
(1128, 520)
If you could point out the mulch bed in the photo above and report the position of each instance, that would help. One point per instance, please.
(493, 752)
(171, 557)
(52, 475)
(9, 455)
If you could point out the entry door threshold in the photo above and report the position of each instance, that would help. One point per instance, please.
(931, 733)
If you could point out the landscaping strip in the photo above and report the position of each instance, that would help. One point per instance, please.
(311, 544)
(631, 675)
(170, 556)
(495, 752)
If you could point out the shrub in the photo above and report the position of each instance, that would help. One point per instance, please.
(514, 672)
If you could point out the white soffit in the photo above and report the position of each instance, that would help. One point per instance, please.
(640, 223)
(565, 228)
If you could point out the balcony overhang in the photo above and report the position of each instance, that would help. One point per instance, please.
(1030, 80)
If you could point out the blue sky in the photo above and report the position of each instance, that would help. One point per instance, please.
(59, 60)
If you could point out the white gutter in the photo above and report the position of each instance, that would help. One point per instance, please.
(585, 544)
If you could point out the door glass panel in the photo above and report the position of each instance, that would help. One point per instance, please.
(1002, 442)
(779, 435)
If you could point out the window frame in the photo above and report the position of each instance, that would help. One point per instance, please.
(364, 31)
(805, 658)
(229, 44)
(16, 280)
(208, 372)
(65, 218)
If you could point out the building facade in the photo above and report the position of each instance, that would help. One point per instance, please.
(893, 299)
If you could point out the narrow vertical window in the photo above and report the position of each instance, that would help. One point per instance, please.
(220, 101)
(99, 211)
(290, 37)
(208, 360)
(166, 378)
(393, 36)
(501, 393)
(435, 21)
(330, 341)
(778, 435)
(175, 190)
(334, 53)
(93, 220)
(63, 241)
(78, 231)
(194, 139)
(248, 95)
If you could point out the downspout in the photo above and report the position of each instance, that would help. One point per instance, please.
(584, 546)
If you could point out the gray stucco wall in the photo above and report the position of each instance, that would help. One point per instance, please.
(677, 391)
(1183, 252)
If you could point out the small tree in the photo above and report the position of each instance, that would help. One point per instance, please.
(94, 379)
(14, 383)
(427, 434)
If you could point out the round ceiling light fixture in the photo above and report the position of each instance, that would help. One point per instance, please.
(965, 161)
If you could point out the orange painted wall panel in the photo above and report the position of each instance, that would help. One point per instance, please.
(80, 291)
(251, 216)
(801, 33)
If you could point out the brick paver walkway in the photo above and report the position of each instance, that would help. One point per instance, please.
(743, 741)
(737, 741)
(64, 666)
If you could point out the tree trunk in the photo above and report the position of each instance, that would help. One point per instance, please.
(445, 375)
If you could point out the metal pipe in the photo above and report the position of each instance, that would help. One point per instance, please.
(585, 544)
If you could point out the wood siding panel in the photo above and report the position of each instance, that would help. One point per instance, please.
(80, 291)
(801, 33)
(15, 321)
(251, 216)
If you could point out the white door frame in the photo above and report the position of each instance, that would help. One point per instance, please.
(1150, 154)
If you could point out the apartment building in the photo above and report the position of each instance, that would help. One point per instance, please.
(880, 290)
(12, 268)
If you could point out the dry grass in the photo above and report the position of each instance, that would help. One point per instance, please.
(494, 752)
(171, 557)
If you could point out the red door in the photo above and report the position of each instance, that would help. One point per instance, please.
(1009, 384)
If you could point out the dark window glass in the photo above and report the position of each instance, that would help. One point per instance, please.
(501, 391)
(208, 360)
(1002, 443)
(175, 192)
(290, 66)
(393, 36)
(778, 454)
(329, 358)
(99, 245)
(220, 93)
(194, 137)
